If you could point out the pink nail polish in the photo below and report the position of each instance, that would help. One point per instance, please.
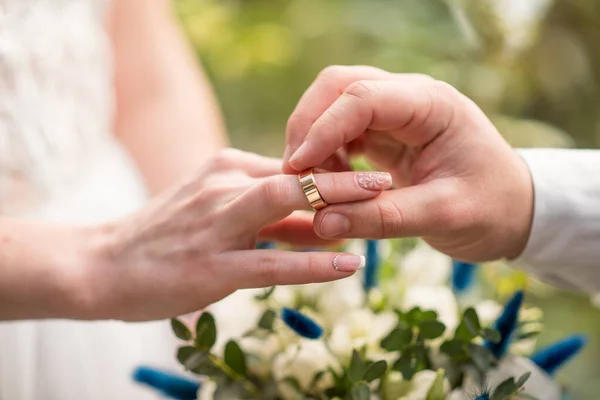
(348, 263)
(374, 180)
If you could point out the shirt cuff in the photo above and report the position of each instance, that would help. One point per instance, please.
(564, 244)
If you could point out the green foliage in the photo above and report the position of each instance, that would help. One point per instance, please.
(234, 358)
(509, 388)
(206, 331)
(267, 319)
(436, 391)
(180, 329)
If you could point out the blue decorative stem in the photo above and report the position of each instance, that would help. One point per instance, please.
(506, 325)
(553, 357)
(171, 385)
(373, 263)
(463, 275)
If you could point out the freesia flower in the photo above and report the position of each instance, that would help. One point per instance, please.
(540, 385)
(396, 388)
(339, 298)
(361, 328)
(425, 266)
(437, 298)
(302, 362)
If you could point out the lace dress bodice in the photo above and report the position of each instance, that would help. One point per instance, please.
(55, 96)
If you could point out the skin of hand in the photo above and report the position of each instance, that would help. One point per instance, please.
(194, 244)
(457, 183)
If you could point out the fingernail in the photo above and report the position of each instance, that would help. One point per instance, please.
(374, 180)
(334, 225)
(299, 153)
(348, 263)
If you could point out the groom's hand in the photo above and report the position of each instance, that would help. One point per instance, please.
(459, 184)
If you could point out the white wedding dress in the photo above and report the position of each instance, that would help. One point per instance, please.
(59, 162)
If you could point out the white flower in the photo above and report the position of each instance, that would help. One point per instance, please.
(263, 352)
(235, 315)
(425, 266)
(339, 298)
(488, 312)
(207, 390)
(396, 388)
(302, 362)
(361, 328)
(458, 394)
(437, 298)
(540, 385)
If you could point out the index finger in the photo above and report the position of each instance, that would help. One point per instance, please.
(414, 112)
(323, 92)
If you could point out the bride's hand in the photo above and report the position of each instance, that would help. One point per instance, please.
(459, 184)
(195, 244)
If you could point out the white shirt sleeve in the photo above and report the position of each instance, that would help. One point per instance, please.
(564, 245)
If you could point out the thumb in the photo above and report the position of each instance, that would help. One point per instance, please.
(415, 211)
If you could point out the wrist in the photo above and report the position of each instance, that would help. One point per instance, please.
(90, 281)
(522, 208)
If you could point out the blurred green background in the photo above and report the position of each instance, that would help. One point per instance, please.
(532, 65)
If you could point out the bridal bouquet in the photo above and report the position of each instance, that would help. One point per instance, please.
(411, 326)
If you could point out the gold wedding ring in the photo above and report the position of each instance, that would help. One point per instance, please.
(309, 187)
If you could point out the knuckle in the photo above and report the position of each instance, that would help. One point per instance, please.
(273, 190)
(361, 89)
(444, 90)
(225, 158)
(332, 72)
(267, 268)
(391, 218)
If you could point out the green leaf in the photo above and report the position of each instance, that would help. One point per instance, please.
(413, 316)
(491, 334)
(206, 332)
(196, 361)
(463, 333)
(375, 371)
(431, 329)
(456, 350)
(406, 365)
(266, 294)
(523, 379)
(235, 358)
(472, 321)
(266, 320)
(482, 357)
(180, 329)
(428, 315)
(357, 367)
(397, 339)
(506, 390)
(360, 391)
(436, 391)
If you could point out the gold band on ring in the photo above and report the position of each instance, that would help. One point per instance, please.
(309, 187)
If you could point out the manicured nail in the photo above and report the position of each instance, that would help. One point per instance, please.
(299, 153)
(334, 225)
(348, 263)
(374, 180)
